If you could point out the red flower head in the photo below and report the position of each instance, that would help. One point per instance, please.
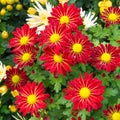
(23, 36)
(78, 47)
(111, 16)
(55, 61)
(105, 57)
(16, 78)
(53, 35)
(68, 15)
(113, 113)
(85, 93)
(31, 98)
(25, 56)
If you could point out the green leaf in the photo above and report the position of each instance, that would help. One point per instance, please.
(57, 86)
(110, 92)
(34, 118)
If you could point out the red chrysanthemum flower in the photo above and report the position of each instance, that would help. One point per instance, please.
(16, 78)
(31, 98)
(68, 15)
(111, 16)
(53, 35)
(25, 56)
(23, 36)
(85, 93)
(113, 113)
(78, 47)
(105, 57)
(55, 61)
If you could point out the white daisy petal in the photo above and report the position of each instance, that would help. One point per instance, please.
(2, 71)
(42, 18)
(89, 19)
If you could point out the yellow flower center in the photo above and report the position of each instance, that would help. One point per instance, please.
(24, 40)
(116, 116)
(26, 57)
(15, 79)
(113, 17)
(44, 18)
(106, 57)
(77, 48)
(58, 58)
(31, 99)
(84, 93)
(54, 38)
(64, 19)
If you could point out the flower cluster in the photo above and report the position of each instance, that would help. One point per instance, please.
(56, 47)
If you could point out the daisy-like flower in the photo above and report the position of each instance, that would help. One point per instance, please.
(77, 47)
(23, 36)
(104, 4)
(68, 15)
(2, 71)
(25, 56)
(31, 98)
(40, 20)
(53, 35)
(55, 61)
(16, 78)
(85, 93)
(111, 16)
(89, 19)
(113, 113)
(105, 57)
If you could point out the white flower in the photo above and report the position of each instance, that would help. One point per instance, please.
(82, 13)
(2, 71)
(40, 20)
(89, 19)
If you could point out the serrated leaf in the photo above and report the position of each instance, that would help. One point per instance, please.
(110, 92)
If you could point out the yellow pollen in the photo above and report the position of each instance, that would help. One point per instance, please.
(84, 92)
(54, 38)
(64, 19)
(113, 17)
(58, 58)
(77, 48)
(26, 57)
(116, 116)
(15, 79)
(105, 57)
(24, 40)
(31, 99)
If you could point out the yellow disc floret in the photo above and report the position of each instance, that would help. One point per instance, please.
(24, 40)
(31, 99)
(15, 79)
(54, 38)
(84, 92)
(64, 19)
(105, 57)
(77, 48)
(113, 17)
(58, 58)
(116, 116)
(26, 57)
